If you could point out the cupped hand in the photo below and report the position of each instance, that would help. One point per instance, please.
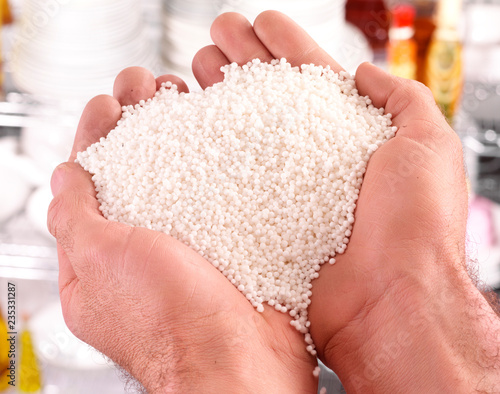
(407, 249)
(147, 301)
(175, 323)
(398, 311)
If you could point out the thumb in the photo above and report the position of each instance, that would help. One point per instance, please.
(412, 105)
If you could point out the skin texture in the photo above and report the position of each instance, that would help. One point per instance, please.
(396, 313)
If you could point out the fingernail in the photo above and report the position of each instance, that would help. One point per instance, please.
(57, 179)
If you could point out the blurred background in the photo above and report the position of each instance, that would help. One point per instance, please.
(57, 54)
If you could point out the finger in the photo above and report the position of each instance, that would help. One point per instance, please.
(412, 105)
(234, 35)
(399, 96)
(284, 38)
(74, 218)
(134, 84)
(206, 66)
(181, 85)
(103, 112)
(98, 118)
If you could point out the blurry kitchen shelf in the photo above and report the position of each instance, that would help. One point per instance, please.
(28, 262)
(24, 252)
(479, 129)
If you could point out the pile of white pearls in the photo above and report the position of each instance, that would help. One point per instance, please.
(259, 174)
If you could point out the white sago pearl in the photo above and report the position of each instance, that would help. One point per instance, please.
(316, 371)
(259, 174)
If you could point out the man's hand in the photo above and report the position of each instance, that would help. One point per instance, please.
(398, 312)
(147, 301)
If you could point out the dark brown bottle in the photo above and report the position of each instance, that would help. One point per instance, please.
(373, 19)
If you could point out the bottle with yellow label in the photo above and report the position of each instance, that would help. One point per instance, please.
(444, 74)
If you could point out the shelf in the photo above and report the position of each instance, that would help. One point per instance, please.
(28, 262)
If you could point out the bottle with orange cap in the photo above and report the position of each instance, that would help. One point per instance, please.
(402, 47)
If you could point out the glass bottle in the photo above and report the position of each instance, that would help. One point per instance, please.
(424, 29)
(402, 48)
(444, 73)
(372, 18)
(6, 12)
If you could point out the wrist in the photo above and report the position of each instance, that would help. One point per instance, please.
(226, 360)
(436, 335)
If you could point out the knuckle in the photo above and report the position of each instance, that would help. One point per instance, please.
(421, 89)
(54, 215)
(414, 90)
(414, 95)
(76, 324)
(70, 317)
(402, 98)
(62, 230)
(63, 217)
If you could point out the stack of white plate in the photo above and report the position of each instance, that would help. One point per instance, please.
(324, 20)
(186, 29)
(74, 49)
